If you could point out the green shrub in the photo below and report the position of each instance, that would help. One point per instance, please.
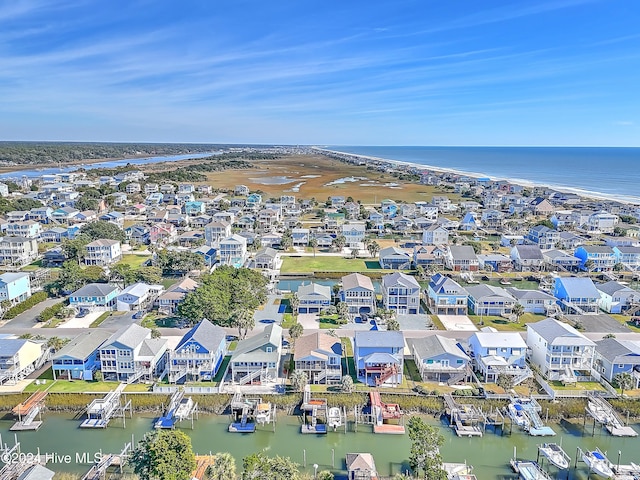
(26, 305)
(50, 312)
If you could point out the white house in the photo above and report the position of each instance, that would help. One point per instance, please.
(103, 252)
(137, 297)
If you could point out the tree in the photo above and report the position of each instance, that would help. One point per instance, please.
(355, 252)
(313, 243)
(294, 302)
(150, 275)
(373, 248)
(122, 274)
(172, 262)
(393, 324)
(624, 380)
(155, 333)
(164, 455)
(286, 242)
(339, 242)
(425, 459)
(244, 320)
(93, 274)
(589, 265)
(346, 384)
(505, 381)
(86, 203)
(5, 305)
(299, 379)
(258, 466)
(223, 468)
(103, 229)
(518, 311)
(56, 343)
(295, 332)
(98, 376)
(325, 475)
(618, 267)
(343, 312)
(74, 249)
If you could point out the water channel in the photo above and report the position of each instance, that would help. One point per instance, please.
(490, 455)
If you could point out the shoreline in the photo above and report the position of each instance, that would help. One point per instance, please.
(90, 161)
(625, 199)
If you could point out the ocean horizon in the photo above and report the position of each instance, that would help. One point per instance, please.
(606, 172)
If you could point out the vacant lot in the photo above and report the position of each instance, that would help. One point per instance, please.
(327, 264)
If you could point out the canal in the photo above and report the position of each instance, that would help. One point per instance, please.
(490, 455)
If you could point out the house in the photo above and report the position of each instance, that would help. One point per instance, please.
(132, 188)
(628, 256)
(242, 190)
(490, 300)
(191, 238)
(470, 222)
(334, 220)
(138, 296)
(115, 218)
(18, 358)
(494, 353)
(130, 354)
(267, 259)
(150, 188)
(389, 208)
(461, 258)
(313, 298)
(162, 233)
(18, 251)
(379, 356)
(95, 296)
(617, 298)
(15, 287)
(439, 359)
(613, 356)
(394, 258)
(199, 353)
(54, 257)
(527, 257)
(300, 237)
(495, 262)
(233, 250)
(319, 355)
(428, 256)
(194, 208)
(209, 254)
(257, 359)
(576, 294)
(361, 466)
(78, 359)
(492, 219)
(354, 233)
(102, 252)
(600, 257)
(435, 235)
(600, 222)
(541, 206)
(446, 297)
(543, 236)
(169, 300)
(534, 301)
(560, 260)
(558, 350)
(138, 233)
(358, 293)
(401, 292)
(26, 228)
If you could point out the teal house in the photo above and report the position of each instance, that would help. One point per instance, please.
(95, 296)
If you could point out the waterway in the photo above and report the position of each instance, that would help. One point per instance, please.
(31, 173)
(489, 455)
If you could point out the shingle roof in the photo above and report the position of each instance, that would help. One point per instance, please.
(462, 252)
(436, 345)
(316, 343)
(559, 333)
(11, 346)
(356, 280)
(130, 336)
(529, 252)
(271, 334)
(206, 334)
(83, 345)
(379, 338)
(94, 290)
(322, 290)
(399, 278)
(613, 349)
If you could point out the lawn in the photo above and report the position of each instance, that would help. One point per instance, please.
(135, 261)
(329, 322)
(503, 324)
(81, 386)
(223, 369)
(589, 386)
(288, 320)
(98, 321)
(411, 371)
(327, 263)
(626, 321)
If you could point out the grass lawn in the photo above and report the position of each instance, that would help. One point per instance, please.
(626, 320)
(411, 371)
(590, 386)
(327, 264)
(504, 325)
(329, 322)
(37, 265)
(288, 320)
(223, 368)
(232, 346)
(98, 321)
(135, 261)
(153, 320)
(168, 281)
(81, 386)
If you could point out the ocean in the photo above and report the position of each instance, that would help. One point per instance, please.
(598, 171)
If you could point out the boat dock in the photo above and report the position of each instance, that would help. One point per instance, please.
(530, 407)
(603, 413)
(27, 412)
(101, 410)
(99, 470)
(314, 413)
(466, 419)
(248, 412)
(529, 470)
(13, 470)
(180, 408)
(203, 462)
(387, 417)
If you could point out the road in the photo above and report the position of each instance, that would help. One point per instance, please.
(28, 319)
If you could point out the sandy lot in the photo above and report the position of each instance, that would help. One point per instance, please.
(458, 323)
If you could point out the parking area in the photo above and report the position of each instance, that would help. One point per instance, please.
(82, 322)
(460, 323)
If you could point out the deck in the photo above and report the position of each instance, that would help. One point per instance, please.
(385, 416)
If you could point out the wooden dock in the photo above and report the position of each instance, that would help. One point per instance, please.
(387, 417)
(603, 413)
(27, 412)
(465, 419)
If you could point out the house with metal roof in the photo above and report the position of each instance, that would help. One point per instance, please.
(137, 297)
(257, 358)
(613, 356)
(102, 252)
(78, 359)
(319, 355)
(576, 295)
(199, 353)
(559, 350)
(95, 296)
(440, 359)
(379, 356)
(15, 287)
(401, 292)
(18, 358)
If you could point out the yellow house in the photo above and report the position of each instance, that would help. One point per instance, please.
(18, 358)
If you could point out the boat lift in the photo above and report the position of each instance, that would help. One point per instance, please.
(27, 412)
(14, 469)
(465, 419)
(246, 413)
(101, 410)
(180, 409)
(314, 413)
(603, 413)
(99, 470)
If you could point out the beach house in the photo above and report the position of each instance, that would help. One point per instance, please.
(617, 298)
(313, 298)
(394, 258)
(103, 252)
(169, 300)
(379, 357)
(461, 258)
(596, 258)
(257, 359)
(576, 295)
(440, 359)
(527, 257)
(319, 355)
(18, 251)
(446, 296)
(401, 292)
(15, 287)
(494, 353)
(359, 295)
(613, 356)
(199, 353)
(78, 359)
(18, 358)
(533, 301)
(490, 300)
(233, 250)
(95, 297)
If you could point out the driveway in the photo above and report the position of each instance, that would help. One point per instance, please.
(82, 322)
(28, 319)
(270, 311)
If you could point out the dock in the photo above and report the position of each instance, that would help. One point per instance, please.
(99, 469)
(180, 409)
(101, 410)
(465, 419)
(13, 470)
(203, 462)
(314, 413)
(27, 412)
(529, 470)
(246, 413)
(531, 408)
(387, 417)
(603, 413)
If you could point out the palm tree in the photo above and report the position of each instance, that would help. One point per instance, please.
(373, 248)
(299, 379)
(313, 243)
(339, 242)
(243, 319)
(343, 311)
(624, 381)
(518, 311)
(295, 331)
(223, 468)
(56, 343)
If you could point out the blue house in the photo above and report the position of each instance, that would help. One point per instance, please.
(78, 359)
(194, 208)
(494, 353)
(602, 257)
(576, 294)
(389, 208)
(95, 296)
(446, 297)
(379, 357)
(199, 353)
(209, 254)
(615, 356)
(15, 287)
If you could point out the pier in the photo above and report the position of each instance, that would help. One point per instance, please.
(27, 412)
(99, 470)
(13, 470)
(247, 412)
(603, 413)
(101, 410)
(465, 419)
(180, 408)
(533, 424)
(314, 413)
(529, 470)
(203, 462)
(387, 417)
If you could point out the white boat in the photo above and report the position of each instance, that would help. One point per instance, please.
(555, 454)
(597, 463)
(334, 418)
(263, 413)
(517, 414)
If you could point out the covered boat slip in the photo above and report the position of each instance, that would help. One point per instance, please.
(101, 410)
(246, 413)
(524, 411)
(180, 409)
(27, 412)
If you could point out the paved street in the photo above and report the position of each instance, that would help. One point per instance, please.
(28, 319)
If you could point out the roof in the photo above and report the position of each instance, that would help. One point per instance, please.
(206, 334)
(314, 288)
(559, 333)
(152, 346)
(379, 338)
(462, 252)
(609, 288)
(529, 294)
(137, 290)
(130, 336)
(392, 251)
(271, 334)
(380, 357)
(434, 345)
(12, 276)
(479, 291)
(443, 284)
(103, 242)
(83, 345)
(317, 343)
(361, 461)
(500, 339)
(95, 290)
(356, 280)
(597, 249)
(37, 472)
(613, 350)
(579, 287)
(529, 252)
(11, 346)
(399, 278)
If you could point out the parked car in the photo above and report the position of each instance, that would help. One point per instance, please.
(139, 314)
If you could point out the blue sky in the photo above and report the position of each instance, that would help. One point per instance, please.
(401, 72)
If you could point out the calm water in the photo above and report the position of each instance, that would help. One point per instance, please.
(489, 455)
(608, 171)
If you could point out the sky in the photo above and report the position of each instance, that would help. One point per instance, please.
(331, 72)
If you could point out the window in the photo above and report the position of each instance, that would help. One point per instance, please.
(269, 349)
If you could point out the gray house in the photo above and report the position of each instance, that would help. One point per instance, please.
(313, 298)
(401, 292)
(257, 359)
(615, 356)
(440, 359)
